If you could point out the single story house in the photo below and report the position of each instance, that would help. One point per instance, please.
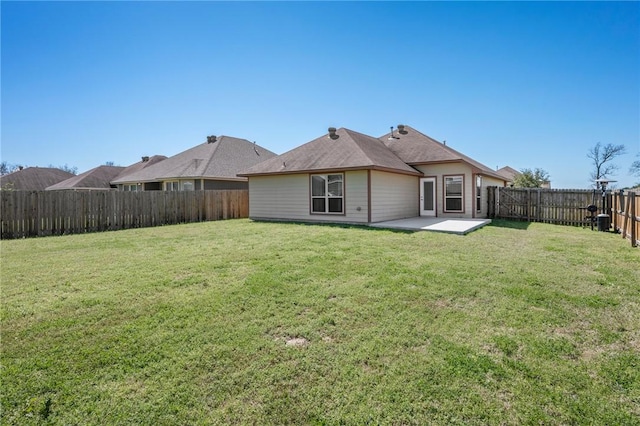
(33, 178)
(346, 176)
(211, 165)
(509, 173)
(95, 179)
(100, 177)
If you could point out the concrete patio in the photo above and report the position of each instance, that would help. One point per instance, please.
(435, 224)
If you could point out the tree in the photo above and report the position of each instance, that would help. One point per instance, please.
(73, 170)
(601, 157)
(531, 178)
(635, 167)
(6, 168)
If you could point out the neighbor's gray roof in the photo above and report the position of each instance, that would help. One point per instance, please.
(96, 178)
(141, 165)
(33, 178)
(508, 173)
(222, 159)
(417, 148)
(352, 150)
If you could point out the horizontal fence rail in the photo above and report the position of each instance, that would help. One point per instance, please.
(43, 213)
(626, 216)
(567, 207)
(559, 206)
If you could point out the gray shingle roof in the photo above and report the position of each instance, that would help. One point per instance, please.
(222, 159)
(96, 178)
(351, 150)
(508, 173)
(33, 178)
(140, 165)
(417, 148)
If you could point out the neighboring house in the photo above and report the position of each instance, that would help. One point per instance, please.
(33, 178)
(135, 168)
(346, 176)
(211, 165)
(97, 178)
(100, 177)
(510, 174)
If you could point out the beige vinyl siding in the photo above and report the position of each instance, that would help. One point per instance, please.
(393, 196)
(279, 197)
(286, 197)
(452, 169)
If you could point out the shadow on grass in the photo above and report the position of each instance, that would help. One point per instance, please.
(511, 224)
(338, 225)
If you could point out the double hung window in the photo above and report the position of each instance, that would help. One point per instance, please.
(327, 193)
(453, 193)
(172, 185)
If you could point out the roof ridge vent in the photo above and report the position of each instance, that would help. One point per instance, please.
(332, 133)
(211, 139)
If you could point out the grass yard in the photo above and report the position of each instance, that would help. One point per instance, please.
(237, 322)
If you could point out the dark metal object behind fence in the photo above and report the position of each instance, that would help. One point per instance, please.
(559, 206)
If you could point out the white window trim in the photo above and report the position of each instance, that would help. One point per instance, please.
(327, 196)
(171, 182)
(478, 194)
(447, 197)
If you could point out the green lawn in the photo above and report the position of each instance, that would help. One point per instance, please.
(239, 322)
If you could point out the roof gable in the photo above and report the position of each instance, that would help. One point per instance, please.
(415, 148)
(222, 159)
(350, 150)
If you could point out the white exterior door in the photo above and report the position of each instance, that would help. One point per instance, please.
(427, 196)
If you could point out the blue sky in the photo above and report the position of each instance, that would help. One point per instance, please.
(507, 83)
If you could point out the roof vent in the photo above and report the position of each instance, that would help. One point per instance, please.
(392, 136)
(211, 139)
(332, 133)
(401, 129)
(145, 158)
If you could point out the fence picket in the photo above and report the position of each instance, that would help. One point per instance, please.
(566, 207)
(42, 213)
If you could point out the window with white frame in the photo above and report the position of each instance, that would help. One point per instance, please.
(478, 193)
(327, 193)
(172, 185)
(130, 187)
(453, 193)
(186, 185)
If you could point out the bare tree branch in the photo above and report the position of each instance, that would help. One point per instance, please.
(635, 167)
(601, 158)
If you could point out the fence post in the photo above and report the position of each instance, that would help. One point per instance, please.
(490, 201)
(632, 208)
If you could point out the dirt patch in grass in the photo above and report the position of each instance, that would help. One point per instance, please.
(297, 341)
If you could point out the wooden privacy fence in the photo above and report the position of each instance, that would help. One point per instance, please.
(43, 213)
(626, 216)
(559, 206)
